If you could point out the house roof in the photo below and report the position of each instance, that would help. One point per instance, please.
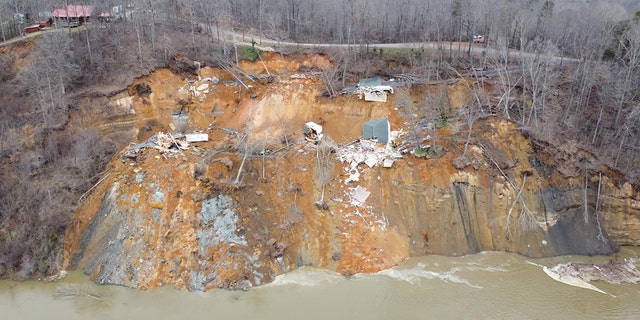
(377, 122)
(73, 12)
(370, 82)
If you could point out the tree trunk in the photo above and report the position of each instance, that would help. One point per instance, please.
(246, 152)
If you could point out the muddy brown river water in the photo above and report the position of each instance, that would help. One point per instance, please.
(488, 285)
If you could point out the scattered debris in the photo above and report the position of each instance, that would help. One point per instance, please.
(312, 131)
(367, 152)
(197, 137)
(570, 280)
(197, 88)
(55, 277)
(214, 80)
(375, 94)
(612, 272)
(354, 175)
(579, 274)
(203, 87)
(359, 194)
(164, 142)
(371, 161)
(371, 89)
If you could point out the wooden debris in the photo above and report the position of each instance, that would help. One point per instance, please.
(612, 272)
(579, 274)
(163, 142)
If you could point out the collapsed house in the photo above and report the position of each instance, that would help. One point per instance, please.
(371, 89)
(166, 143)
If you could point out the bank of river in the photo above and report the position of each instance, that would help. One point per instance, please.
(490, 285)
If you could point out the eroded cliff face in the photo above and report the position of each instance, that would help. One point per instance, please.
(179, 217)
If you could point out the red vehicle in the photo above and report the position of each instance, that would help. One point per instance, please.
(42, 23)
(32, 28)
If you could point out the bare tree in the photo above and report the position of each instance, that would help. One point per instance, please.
(507, 80)
(538, 76)
(47, 77)
(324, 166)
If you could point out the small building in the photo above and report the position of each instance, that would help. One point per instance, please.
(371, 89)
(71, 13)
(378, 129)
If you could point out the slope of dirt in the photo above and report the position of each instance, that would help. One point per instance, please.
(178, 217)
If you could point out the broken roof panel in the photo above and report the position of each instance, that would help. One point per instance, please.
(197, 137)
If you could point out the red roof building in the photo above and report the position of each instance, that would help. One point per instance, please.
(77, 13)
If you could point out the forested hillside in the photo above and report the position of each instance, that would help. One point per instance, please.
(53, 75)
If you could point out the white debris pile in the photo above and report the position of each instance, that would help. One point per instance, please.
(198, 88)
(374, 93)
(395, 136)
(366, 152)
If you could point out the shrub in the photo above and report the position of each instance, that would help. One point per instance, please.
(249, 53)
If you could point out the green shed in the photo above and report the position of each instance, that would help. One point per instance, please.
(378, 128)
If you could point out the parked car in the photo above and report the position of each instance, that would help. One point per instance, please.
(479, 39)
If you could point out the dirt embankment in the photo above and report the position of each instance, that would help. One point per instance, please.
(179, 217)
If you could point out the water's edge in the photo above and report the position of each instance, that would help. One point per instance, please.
(488, 285)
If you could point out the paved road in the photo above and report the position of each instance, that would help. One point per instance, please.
(268, 44)
(37, 34)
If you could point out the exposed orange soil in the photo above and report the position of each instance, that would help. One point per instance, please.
(275, 207)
